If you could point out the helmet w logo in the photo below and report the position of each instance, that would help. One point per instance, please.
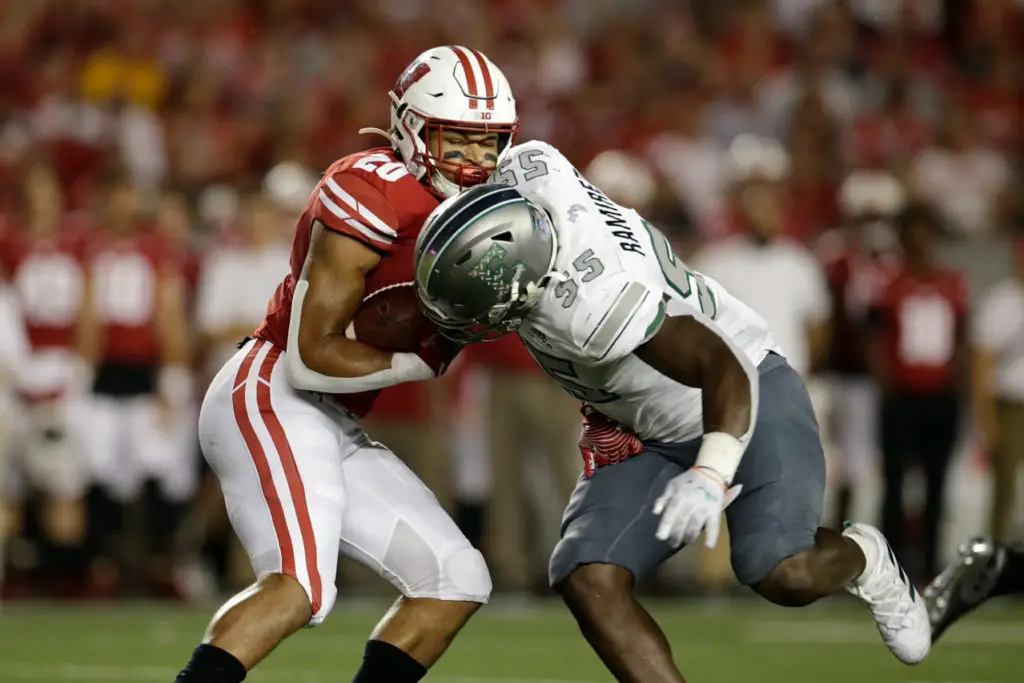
(413, 73)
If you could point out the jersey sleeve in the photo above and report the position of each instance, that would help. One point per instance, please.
(350, 205)
(610, 324)
(818, 303)
(531, 164)
(996, 322)
(214, 303)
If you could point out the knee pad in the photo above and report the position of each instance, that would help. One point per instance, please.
(453, 570)
(466, 577)
(460, 576)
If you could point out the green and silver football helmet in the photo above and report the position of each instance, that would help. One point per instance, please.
(481, 260)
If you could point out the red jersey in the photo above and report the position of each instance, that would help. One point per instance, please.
(48, 279)
(855, 281)
(923, 321)
(370, 197)
(402, 402)
(126, 274)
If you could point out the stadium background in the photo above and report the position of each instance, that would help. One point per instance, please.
(227, 101)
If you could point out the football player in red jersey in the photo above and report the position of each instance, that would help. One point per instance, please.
(859, 257)
(301, 480)
(917, 353)
(178, 401)
(138, 343)
(43, 264)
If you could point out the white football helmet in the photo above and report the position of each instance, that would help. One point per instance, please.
(449, 88)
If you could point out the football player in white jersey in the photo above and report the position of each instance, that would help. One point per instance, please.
(675, 375)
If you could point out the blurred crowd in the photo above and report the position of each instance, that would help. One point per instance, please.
(853, 170)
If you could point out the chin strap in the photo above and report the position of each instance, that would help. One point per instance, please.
(378, 131)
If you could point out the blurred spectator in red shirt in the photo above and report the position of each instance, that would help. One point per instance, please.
(917, 355)
(860, 257)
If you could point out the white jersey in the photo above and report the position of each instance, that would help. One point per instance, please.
(622, 279)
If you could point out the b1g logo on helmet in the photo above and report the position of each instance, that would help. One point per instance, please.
(413, 73)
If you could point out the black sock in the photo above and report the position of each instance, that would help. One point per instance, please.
(1011, 579)
(67, 562)
(469, 517)
(385, 663)
(210, 664)
(164, 521)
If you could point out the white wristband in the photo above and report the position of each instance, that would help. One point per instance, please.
(409, 367)
(721, 452)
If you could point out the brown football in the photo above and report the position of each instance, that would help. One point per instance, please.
(390, 319)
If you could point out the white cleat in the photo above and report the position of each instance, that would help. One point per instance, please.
(899, 612)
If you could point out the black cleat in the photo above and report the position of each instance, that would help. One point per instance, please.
(965, 584)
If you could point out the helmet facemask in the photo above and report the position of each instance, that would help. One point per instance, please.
(432, 168)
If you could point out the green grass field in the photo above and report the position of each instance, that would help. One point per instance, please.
(729, 642)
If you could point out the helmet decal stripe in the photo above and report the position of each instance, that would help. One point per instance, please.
(412, 74)
(486, 71)
(467, 67)
(447, 226)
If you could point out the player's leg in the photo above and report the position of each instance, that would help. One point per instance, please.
(552, 420)
(55, 464)
(11, 483)
(897, 432)
(983, 569)
(168, 456)
(608, 542)
(937, 444)
(505, 518)
(777, 546)
(395, 525)
(859, 422)
(1006, 456)
(115, 481)
(277, 455)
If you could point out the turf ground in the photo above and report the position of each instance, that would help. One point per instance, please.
(725, 642)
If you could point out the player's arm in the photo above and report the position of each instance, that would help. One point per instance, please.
(687, 348)
(990, 335)
(692, 351)
(88, 334)
(172, 333)
(14, 346)
(876, 327)
(354, 226)
(818, 314)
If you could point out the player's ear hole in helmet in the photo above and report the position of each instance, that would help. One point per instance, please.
(453, 118)
(481, 262)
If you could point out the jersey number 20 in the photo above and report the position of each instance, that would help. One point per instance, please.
(383, 166)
